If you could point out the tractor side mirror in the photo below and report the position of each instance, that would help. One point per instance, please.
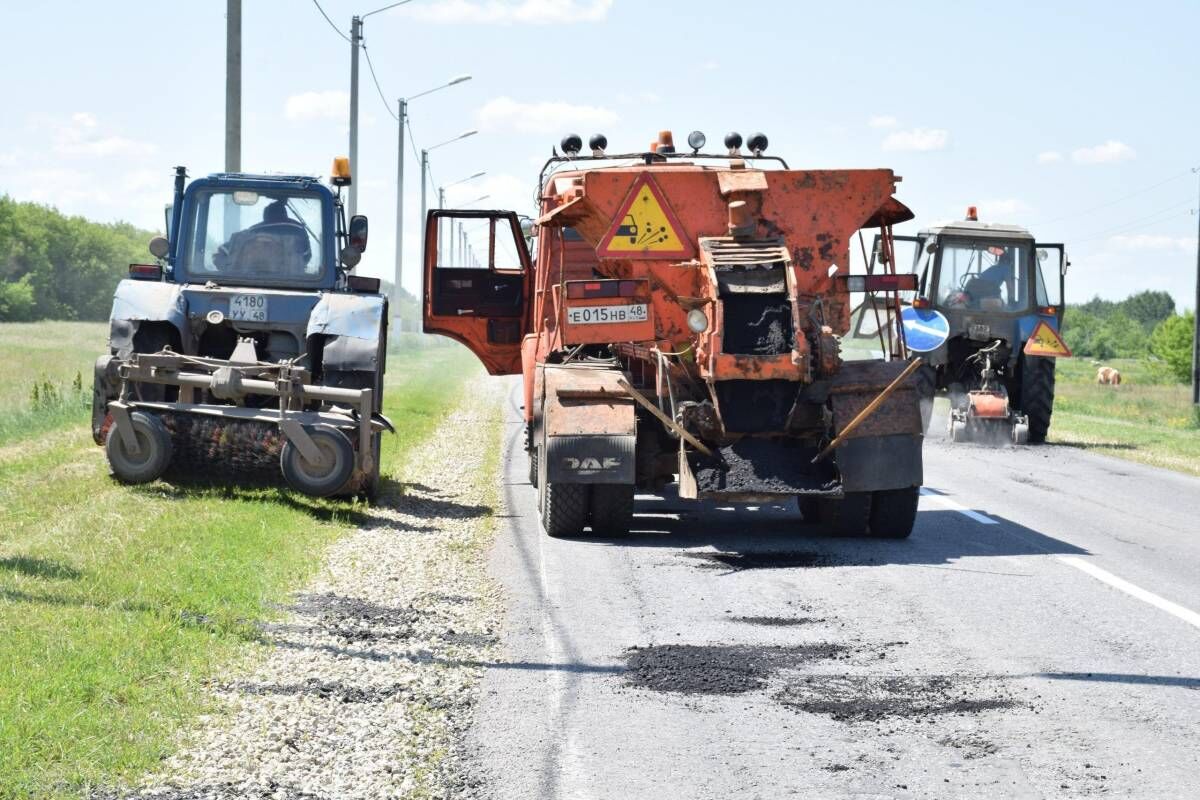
(358, 233)
(351, 255)
(159, 247)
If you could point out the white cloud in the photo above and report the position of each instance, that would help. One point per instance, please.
(503, 191)
(1147, 241)
(710, 65)
(80, 137)
(643, 98)
(318, 105)
(545, 117)
(1049, 157)
(491, 12)
(1106, 153)
(922, 140)
(883, 121)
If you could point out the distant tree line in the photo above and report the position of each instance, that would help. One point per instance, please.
(1143, 325)
(57, 267)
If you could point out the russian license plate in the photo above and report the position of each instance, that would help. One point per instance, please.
(248, 307)
(591, 315)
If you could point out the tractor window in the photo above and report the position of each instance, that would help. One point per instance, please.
(255, 236)
(985, 276)
(1049, 266)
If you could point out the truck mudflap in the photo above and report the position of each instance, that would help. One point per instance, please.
(589, 425)
(884, 452)
(756, 470)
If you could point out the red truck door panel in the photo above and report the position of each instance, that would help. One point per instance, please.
(477, 270)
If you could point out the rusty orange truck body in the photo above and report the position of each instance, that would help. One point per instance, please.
(676, 319)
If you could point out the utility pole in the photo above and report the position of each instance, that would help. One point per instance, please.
(355, 43)
(397, 274)
(1196, 318)
(233, 85)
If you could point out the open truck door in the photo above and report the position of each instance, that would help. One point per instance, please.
(477, 269)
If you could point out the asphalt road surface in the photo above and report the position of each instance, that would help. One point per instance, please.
(1037, 636)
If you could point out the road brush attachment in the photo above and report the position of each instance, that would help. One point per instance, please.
(985, 414)
(239, 417)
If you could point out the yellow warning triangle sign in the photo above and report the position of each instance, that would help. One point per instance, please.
(645, 226)
(1045, 341)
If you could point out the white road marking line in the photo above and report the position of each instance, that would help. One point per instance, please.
(1174, 609)
(946, 502)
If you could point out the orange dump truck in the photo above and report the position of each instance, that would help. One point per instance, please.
(676, 319)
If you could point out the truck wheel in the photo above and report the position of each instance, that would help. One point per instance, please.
(153, 454)
(612, 508)
(533, 466)
(849, 516)
(894, 512)
(319, 480)
(1037, 394)
(564, 509)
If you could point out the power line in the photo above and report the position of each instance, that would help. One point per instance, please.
(1134, 224)
(375, 80)
(1120, 199)
(327, 19)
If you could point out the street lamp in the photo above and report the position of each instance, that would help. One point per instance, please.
(355, 43)
(403, 103)
(442, 204)
(425, 183)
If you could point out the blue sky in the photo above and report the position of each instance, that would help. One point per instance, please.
(1072, 120)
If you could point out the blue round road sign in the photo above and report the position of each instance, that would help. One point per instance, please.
(924, 329)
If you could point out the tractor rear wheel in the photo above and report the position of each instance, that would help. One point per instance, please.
(1037, 394)
(612, 508)
(894, 512)
(849, 516)
(153, 450)
(564, 509)
(319, 480)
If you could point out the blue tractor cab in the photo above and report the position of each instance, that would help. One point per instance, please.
(250, 341)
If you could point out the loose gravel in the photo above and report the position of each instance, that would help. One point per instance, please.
(370, 677)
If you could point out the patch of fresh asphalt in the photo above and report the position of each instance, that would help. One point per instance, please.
(969, 660)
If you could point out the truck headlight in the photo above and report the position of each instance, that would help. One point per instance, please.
(697, 321)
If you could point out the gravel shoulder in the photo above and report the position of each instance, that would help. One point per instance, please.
(366, 682)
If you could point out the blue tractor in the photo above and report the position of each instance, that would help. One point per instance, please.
(997, 296)
(249, 348)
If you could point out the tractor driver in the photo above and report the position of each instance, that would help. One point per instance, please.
(276, 246)
(987, 284)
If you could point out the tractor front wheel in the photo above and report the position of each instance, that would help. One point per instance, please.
(1037, 394)
(153, 452)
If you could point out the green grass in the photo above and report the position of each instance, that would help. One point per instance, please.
(53, 359)
(1148, 418)
(117, 602)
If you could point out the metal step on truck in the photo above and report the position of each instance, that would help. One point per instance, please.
(676, 317)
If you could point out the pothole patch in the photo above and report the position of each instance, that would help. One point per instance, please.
(769, 559)
(870, 698)
(779, 622)
(717, 669)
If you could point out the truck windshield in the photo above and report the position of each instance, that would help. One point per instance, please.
(256, 236)
(988, 276)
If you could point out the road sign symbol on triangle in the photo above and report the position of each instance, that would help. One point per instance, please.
(645, 227)
(1045, 341)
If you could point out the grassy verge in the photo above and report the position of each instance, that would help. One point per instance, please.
(51, 368)
(1146, 419)
(116, 602)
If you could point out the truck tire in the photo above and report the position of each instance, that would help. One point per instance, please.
(1037, 395)
(152, 457)
(612, 508)
(532, 453)
(564, 509)
(894, 512)
(326, 479)
(850, 516)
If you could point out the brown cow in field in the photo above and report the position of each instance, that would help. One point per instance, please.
(1108, 376)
